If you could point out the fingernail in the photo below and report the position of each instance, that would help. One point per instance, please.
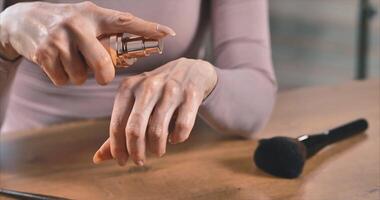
(166, 30)
(96, 159)
(140, 163)
(121, 161)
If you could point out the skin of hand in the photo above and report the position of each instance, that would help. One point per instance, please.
(146, 104)
(64, 38)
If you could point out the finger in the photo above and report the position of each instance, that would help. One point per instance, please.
(122, 107)
(73, 64)
(97, 58)
(187, 113)
(111, 21)
(47, 58)
(158, 127)
(103, 154)
(138, 120)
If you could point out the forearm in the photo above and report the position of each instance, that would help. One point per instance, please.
(244, 96)
(245, 93)
(241, 102)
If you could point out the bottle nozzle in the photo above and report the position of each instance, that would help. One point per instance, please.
(126, 48)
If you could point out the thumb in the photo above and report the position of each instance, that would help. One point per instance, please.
(104, 153)
(111, 21)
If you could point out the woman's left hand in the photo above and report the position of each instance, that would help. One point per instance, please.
(146, 104)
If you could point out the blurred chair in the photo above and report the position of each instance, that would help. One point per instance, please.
(366, 12)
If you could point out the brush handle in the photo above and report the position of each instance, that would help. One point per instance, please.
(314, 143)
(26, 195)
(347, 130)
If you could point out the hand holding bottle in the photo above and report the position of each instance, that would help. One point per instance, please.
(64, 38)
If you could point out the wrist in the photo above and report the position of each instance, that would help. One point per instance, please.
(213, 79)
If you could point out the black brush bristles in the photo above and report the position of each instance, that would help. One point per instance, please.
(280, 156)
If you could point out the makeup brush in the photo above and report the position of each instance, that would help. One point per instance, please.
(285, 156)
(27, 196)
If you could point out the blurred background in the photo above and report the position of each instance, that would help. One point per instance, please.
(315, 42)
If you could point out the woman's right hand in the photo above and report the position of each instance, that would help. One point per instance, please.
(63, 38)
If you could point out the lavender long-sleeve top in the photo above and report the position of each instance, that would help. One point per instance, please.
(240, 104)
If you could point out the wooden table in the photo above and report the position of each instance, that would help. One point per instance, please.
(57, 160)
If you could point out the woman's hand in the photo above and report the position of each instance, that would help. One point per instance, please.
(63, 38)
(146, 104)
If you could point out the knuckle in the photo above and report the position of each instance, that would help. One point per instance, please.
(55, 37)
(116, 128)
(87, 5)
(128, 16)
(116, 150)
(124, 92)
(126, 84)
(155, 133)
(124, 19)
(45, 48)
(42, 53)
(151, 84)
(191, 94)
(172, 88)
(133, 133)
(124, 87)
(72, 23)
(148, 29)
(133, 127)
(183, 127)
(135, 119)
